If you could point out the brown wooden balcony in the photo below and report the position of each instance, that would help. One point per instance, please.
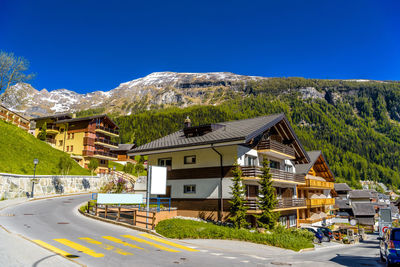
(255, 172)
(105, 142)
(107, 131)
(100, 154)
(315, 202)
(283, 203)
(51, 141)
(317, 184)
(276, 149)
(52, 129)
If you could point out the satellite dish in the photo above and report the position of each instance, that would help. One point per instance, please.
(353, 222)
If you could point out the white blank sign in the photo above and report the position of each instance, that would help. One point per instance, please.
(119, 199)
(158, 180)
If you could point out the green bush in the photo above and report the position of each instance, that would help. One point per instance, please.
(294, 239)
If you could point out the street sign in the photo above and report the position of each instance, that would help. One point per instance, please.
(119, 199)
(158, 178)
(384, 229)
(385, 220)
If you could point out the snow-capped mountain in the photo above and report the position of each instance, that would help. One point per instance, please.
(158, 88)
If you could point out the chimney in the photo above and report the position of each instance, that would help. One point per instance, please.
(188, 122)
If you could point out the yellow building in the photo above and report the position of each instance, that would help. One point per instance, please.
(83, 138)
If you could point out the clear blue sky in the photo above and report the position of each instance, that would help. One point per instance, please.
(85, 45)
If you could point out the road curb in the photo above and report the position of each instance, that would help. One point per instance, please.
(119, 223)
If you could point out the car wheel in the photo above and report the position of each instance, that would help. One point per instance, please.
(382, 258)
(325, 239)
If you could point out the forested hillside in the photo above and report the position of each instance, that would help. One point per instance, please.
(356, 124)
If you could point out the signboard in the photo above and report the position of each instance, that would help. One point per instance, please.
(158, 178)
(119, 199)
(385, 220)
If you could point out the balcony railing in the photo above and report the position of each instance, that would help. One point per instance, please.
(283, 203)
(320, 201)
(255, 171)
(109, 130)
(52, 128)
(93, 153)
(105, 141)
(319, 184)
(275, 145)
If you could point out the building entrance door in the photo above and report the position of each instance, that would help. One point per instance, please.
(252, 191)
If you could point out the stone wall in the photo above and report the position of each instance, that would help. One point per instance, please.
(12, 185)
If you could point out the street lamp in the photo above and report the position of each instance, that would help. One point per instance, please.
(35, 162)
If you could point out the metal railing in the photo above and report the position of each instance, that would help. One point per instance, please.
(252, 203)
(107, 129)
(255, 171)
(275, 145)
(105, 141)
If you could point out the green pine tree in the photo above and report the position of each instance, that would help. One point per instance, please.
(266, 200)
(42, 134)
(238, 208)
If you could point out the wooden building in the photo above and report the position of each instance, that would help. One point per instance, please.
(83, 138)
(14, 118)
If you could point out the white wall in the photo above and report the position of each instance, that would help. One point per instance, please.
(205, 188)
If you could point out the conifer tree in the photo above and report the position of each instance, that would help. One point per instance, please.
(238, 208)
(266, 200)
(42, 134)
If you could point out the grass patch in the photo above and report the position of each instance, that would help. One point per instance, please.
(18, 149)
(118, 166)
(294, 239)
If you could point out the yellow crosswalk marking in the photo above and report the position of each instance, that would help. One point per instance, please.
(79, 247)
(119, 241)
(134, 238)
(54, 249)
(155, 238)
(105, 246)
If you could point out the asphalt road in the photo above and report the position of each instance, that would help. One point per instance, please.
(56, 224)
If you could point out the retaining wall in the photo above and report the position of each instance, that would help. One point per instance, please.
(13, 185)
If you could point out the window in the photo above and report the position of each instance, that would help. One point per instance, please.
(292, 221)
(60, 143)
(72, 136)
(283, 221)
(249, 160)
(61, 130)
(288, 168)
(102, 162)
(189, 189)
(165, 162)
(189, 160)
(274, 164)
(68, 136)
(67, 148)
(72, 148)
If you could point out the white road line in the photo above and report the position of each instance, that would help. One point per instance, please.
(217, 254)
(230, 258)
(191, 247)
(245, 261)
(257, 257)
(203, 250)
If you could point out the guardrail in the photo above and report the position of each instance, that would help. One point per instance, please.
(255, 171)
(107, 129)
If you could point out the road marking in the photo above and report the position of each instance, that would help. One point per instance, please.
(79, 247)
(54, 249)
(230, 258)
(106, 246)
(203, 250)
(256, 257)
(140, 240)
(155, 238)
(119, 241)
(217, 254)
(245, 261)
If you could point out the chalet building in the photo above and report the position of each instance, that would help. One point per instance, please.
(122, 153)
(342, 191)
(83, 138)
(361, 196)
(317, 190)
(200, 161)
(14, 118)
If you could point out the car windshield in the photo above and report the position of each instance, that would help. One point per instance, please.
(395, 236)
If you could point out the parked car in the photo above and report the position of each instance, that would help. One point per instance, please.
(327, 232)
(389, 246)
(319, 235)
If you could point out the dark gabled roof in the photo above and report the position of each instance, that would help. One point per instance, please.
(305, 168)
(342, 187)
(360, 194)
(363, 209)
(313, 155)
(123, 147)
(366, 221)
(342, 203)
(87, 119)
(242, 131)
(68, 115)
